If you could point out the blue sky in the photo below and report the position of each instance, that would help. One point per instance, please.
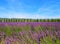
(36, 9)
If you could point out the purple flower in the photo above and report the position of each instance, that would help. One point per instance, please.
(21, 33)
(7, 41)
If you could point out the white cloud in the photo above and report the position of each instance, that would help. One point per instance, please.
(25, 15)
(42, 12)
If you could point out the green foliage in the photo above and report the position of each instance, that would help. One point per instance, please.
(28, 20)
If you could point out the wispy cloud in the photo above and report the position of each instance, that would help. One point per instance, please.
(28, 9)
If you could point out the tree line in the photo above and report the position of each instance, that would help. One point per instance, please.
(27, 20)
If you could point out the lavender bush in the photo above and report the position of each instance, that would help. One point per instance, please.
(29, 32)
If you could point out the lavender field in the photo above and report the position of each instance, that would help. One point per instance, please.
(29, 32)
(29, 21)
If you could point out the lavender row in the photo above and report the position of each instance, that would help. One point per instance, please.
(29, 33)
(30, 37)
